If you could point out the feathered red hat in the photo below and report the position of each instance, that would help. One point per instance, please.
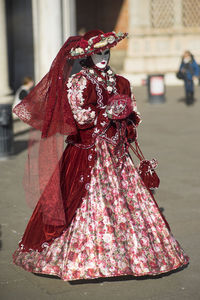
(93, 42)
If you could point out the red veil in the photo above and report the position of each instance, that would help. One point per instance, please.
(47, 110)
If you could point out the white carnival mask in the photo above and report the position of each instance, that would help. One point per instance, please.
(101, 59)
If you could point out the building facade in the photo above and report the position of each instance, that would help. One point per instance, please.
(32, 31)
(160, 31)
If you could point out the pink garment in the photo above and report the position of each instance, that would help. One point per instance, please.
(117, 230)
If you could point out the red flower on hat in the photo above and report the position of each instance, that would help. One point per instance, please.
(83, 43)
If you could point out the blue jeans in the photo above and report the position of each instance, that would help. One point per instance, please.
(189, 86)
(189, 90)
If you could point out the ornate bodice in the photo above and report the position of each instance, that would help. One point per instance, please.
(88, 94)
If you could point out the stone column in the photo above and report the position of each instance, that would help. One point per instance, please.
(4, 85)
(178, 14)
(139, 43)
(6, 125)
(139, 17)
(69, 18)
(47, 32)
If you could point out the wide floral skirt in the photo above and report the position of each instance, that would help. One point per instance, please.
(118, 229)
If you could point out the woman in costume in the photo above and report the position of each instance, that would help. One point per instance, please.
(96, 216)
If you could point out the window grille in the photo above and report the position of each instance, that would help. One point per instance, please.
(162, 13)
(191, 13)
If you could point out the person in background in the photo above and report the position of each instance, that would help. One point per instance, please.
(190, 71)
(23, 90)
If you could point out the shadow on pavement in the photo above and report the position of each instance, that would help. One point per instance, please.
(126, 277)
(183, 100)
(21, 132)
(20, 146)
(112, 279)
(47, 276)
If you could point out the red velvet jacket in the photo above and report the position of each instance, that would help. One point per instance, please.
(88, 98)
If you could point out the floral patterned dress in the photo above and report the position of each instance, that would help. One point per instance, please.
(117, 228)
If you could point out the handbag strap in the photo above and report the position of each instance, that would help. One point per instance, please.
(137, 151)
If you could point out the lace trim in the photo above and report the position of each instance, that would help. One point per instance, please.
(76, 86)
(22, 112)
(98, 89)
(113, 140)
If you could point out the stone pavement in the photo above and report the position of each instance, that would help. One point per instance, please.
(171, 133)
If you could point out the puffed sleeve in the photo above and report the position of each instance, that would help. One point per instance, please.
(79, 97)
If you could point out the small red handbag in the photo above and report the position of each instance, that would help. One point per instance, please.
(146, 168)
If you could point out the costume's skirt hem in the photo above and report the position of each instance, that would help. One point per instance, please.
(178, 267)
